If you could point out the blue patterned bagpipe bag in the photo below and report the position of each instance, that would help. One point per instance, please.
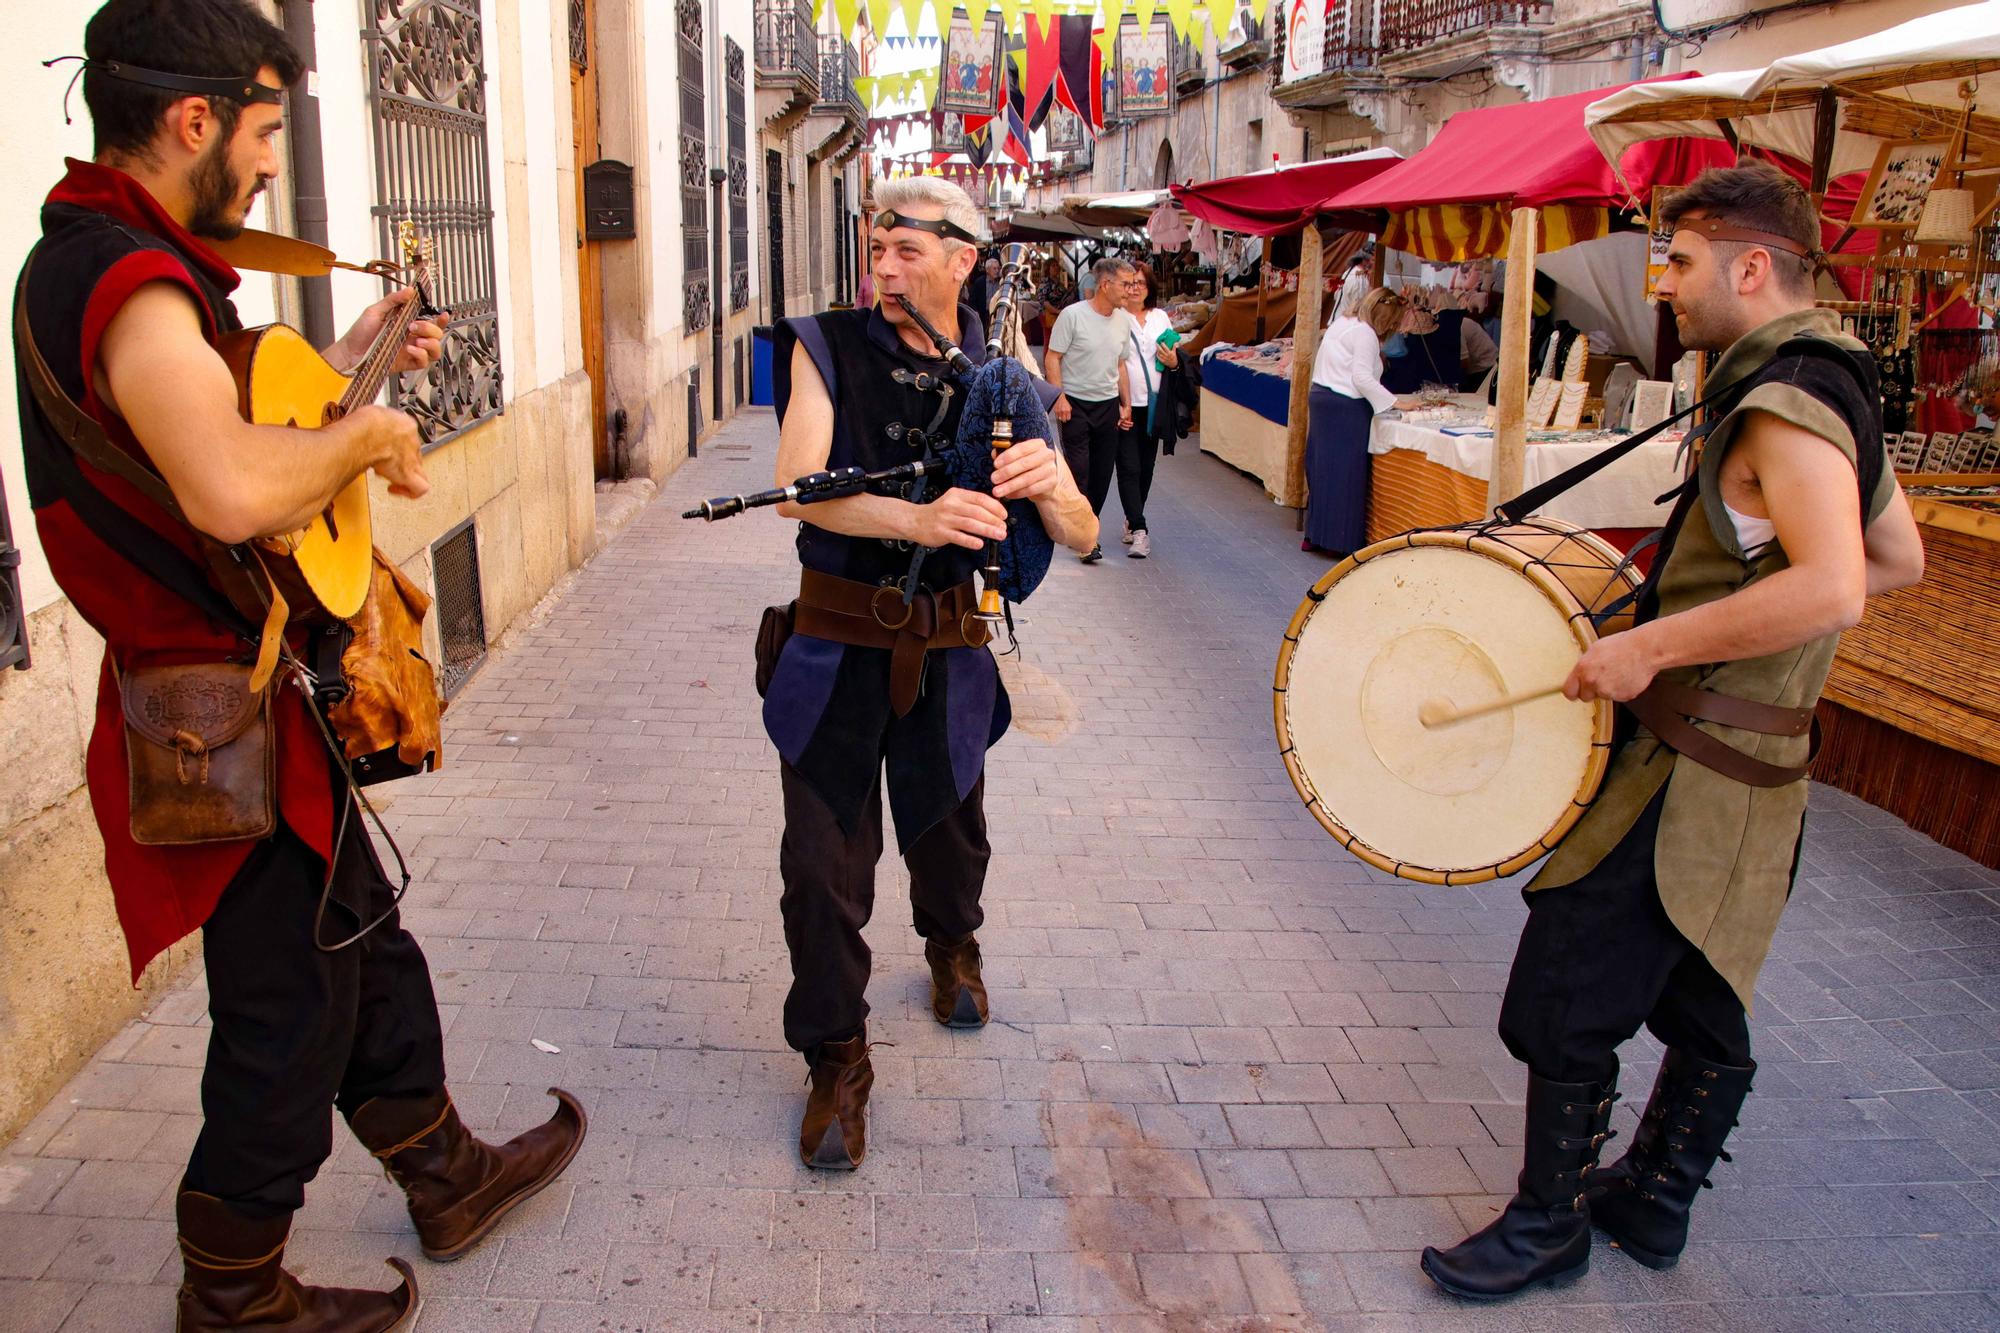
(1003, 388)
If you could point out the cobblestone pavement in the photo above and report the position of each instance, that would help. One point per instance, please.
(1235, 1079)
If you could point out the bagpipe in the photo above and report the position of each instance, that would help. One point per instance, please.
(1001, 406)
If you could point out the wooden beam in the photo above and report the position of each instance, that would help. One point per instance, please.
(1510, 433)
(1824, 130)
(1305, 347)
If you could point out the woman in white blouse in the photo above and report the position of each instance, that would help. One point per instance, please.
(1346, 394)
(1139, 444)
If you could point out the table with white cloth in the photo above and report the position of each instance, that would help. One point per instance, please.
(1431, 473)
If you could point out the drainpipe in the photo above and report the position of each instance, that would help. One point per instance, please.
(308, 172)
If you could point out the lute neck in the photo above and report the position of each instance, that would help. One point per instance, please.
(373, 372)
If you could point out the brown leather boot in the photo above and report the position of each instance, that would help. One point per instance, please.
(958, 996)
(235, 1278)
(834, 1134)
(458, 1187)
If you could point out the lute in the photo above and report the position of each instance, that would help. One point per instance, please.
(282, 380)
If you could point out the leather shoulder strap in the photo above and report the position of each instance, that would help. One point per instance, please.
(1664, 709)
(83, 435)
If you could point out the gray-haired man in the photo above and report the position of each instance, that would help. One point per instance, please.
(1086, 360)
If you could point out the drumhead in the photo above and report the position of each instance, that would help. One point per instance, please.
(1443, 616)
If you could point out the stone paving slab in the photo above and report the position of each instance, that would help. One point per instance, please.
(1236, 1078)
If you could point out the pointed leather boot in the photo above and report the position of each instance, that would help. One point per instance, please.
(458, 1187)
(1642, 1200)
(834, 1134)
(1544, 1233)
(235, 1278)
(958, 996)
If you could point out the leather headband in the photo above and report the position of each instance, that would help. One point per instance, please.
(1715, 229)
(889, 219)
(236, 88)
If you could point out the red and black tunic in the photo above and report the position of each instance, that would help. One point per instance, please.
(104, 237)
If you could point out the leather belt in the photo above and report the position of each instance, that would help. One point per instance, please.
(1665, 707)
(869, 615)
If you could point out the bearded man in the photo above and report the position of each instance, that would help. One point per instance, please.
(871, 682)
(1659, 907)
(318, 997)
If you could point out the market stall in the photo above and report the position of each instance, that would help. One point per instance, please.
(1461, 199)
(1255, 373)
(1911, 713)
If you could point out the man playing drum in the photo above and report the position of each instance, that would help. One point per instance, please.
(1660, 906)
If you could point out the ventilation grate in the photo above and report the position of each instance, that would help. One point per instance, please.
(461, 615)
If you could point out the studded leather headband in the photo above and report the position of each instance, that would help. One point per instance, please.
(889, 219)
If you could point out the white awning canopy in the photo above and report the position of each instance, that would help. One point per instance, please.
(1898, 84)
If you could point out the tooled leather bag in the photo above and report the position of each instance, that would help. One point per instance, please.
(202, 754)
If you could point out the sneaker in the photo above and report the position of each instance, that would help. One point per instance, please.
(1142, 545)
(1127, 538)
(1096, 554)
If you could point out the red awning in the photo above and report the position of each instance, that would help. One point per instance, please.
(1277, 203)
(1528, 155)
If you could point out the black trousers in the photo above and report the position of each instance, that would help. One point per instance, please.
(830, 894)
(1090, 443)
(298, 1031)
(1599, 958)
(1138, 449)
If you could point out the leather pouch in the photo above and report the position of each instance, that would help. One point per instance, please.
(772, 633)
(202, 753)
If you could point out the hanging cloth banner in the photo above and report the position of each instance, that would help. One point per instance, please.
(971, 78)
(1043, 59)
(1080, 63)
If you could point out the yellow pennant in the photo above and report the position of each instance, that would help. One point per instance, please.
(1114, 14)
(1221, 13)
(1010, 16)
(1107, 42)
(1143, 11)
(878, 17)
(844, 13)
(1257, 9)
(913, 16)
(864, 87)
(1181, 12)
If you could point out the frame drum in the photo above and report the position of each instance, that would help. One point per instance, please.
(1469, 615)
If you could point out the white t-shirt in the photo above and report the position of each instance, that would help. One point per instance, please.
(1139, 370)
(1091, 346)
(1350, 362)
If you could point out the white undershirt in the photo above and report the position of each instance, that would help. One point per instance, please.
(1752, 533)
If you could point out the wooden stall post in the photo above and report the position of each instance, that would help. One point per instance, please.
(1305, 346)
(1510, 427)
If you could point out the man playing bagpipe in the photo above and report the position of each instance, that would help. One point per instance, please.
(886, 664)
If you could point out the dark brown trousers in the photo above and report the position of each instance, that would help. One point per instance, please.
(829, 895)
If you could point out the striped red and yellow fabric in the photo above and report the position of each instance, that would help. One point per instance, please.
(1450, 233)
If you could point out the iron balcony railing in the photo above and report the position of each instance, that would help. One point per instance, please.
(1409, 24)
(787, 46)
(839, 66)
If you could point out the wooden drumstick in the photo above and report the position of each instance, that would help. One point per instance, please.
(1442, 712)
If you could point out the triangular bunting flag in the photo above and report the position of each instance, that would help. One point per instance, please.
(1181, 13)
(844, 12)
(1143, 10)
(878, 16)
(913, 17)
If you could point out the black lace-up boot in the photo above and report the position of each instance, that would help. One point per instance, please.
(1544, 1233)
(1642, 1200)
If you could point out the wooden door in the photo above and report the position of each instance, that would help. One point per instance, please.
(589, 274)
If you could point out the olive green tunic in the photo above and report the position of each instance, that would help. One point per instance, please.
(1725, 851)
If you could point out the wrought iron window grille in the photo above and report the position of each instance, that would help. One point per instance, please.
(737, 111)
(427, 100)
(695, 297)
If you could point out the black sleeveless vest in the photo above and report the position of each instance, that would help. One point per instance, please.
(878, 423)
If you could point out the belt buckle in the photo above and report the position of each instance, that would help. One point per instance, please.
(875, 607)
